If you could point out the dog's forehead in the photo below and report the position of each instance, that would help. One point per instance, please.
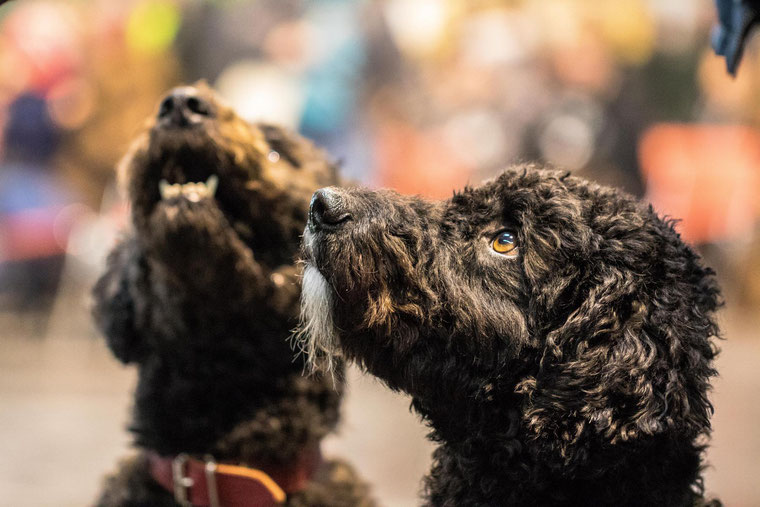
(487, 201)
(516, 195)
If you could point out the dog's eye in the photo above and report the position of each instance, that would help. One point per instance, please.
(505, 243)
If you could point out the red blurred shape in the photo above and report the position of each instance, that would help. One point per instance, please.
(43, 39)
(414, 162)
(30, 235)
(705, 175)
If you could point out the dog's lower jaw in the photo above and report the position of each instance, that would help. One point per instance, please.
(317, 336)
(201, 255)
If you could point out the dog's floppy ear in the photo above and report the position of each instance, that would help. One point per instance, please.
(632, 354)
(114, 307)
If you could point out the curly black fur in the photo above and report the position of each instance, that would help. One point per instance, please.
(573, 372)
(202, 297)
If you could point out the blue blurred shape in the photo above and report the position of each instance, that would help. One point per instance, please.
(30, 134)
(736, 19)
(27, 179)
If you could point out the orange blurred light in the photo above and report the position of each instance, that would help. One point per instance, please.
(71, 102)
(705, 175)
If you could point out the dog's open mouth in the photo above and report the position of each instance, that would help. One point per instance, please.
(215, 191)
(191, 165)
(189, 169)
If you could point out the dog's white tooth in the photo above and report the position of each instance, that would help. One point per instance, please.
(195, 191)
(211, 184)
(168, 191)
(175, 190)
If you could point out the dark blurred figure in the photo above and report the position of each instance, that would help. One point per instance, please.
(33, 230)
(737, 19)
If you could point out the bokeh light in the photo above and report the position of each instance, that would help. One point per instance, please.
(152, 26)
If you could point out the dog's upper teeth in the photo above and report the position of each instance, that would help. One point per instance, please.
(192, 191)
(169, 191)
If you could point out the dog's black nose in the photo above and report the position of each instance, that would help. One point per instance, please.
(184, 107)
(327, 210)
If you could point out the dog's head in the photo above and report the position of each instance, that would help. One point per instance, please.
(260, 176)
(537, 293)
(198, 168)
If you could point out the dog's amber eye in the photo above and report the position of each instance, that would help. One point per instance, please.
(505, 243)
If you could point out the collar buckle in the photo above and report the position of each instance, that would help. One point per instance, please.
(182, 483)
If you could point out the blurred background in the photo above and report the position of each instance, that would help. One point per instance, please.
(420, 95)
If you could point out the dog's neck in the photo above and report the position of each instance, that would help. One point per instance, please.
(510, 464)
(236, 420)
(220, 377)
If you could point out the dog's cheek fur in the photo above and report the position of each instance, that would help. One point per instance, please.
(482, 293)
(380, 267)
(384, 293)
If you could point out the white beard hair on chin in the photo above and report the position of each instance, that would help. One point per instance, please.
(316, 336)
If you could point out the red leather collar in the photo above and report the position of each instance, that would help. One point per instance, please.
(197, 483)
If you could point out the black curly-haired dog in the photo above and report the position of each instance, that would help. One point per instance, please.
(554, 333)
(202, 295)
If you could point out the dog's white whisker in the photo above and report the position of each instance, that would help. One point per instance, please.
(317, 335)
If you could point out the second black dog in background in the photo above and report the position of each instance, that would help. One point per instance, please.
(201, 294)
